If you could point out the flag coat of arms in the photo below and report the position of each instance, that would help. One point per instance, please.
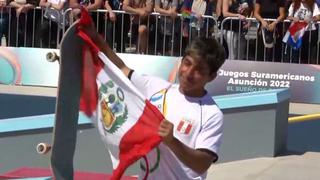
(294, 34)
(127, 122)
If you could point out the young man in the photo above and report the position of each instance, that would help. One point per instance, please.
(192, 129)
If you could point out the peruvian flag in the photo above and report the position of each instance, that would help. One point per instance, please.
(293, 36)
(184, 126)
(128, 123)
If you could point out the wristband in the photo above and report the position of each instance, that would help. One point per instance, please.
(130, 74)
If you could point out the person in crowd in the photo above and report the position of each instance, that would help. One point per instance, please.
(185, 153)
(218, 8)
(115, 23)
(235, 29)
(194, 24)
(4, 22)
(270, 34)
(91, 6)
(49, 25)
(217, 14)
(307, 11)
(21, 32)
(139, 27)
(88, 4)
(168, 11)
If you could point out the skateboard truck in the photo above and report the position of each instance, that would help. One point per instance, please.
(43, 148)
(52, 57)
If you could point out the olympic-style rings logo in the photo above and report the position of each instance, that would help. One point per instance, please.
(7, 55)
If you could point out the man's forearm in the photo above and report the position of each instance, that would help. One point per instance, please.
(93, 6)
(149, 8)
(199, 161)
(14, 4)
(129, 9)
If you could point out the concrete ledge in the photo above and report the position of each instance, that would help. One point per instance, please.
(250, 99)
(293, 167)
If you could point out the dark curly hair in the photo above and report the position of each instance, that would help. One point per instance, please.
(209, 50)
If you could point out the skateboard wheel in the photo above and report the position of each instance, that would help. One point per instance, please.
(43, 148)
(52, 57)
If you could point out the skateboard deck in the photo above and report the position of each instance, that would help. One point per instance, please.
(67, 105)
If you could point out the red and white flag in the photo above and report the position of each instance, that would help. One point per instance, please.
(127, 121)
(294, 34)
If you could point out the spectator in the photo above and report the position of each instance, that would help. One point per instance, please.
(219, 17)
(272, 9)
(235, 29)
(22, 22)
(4, 24)
(90, 5)
(218, 8)
(168, 10)
(194, 25)
(49, 27)
(308, 11)
(116, 22)
(141, 9)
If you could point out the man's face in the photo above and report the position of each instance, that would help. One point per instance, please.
(193, 75)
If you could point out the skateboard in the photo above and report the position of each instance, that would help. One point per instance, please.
(67, 105)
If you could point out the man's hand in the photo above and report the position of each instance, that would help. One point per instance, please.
(315, 19)
(199, 160)
(142, 13)
(264, 24)
(19, 11)
(272, 26)
(111, 15)
(166, 132)
(199, 17)
(173, 13)
(295, 19)
(241, 17)
(48, 4)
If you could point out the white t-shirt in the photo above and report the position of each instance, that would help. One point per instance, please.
(304, 13)
(197, 123)
(56, 2)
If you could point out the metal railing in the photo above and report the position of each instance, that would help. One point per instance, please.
(165, 36)
(256, 50)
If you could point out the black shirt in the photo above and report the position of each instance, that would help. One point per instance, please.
(270, 8)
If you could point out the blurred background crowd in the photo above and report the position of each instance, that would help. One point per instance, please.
(248, 29)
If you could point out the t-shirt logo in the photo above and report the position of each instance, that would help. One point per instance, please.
(184, 126)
